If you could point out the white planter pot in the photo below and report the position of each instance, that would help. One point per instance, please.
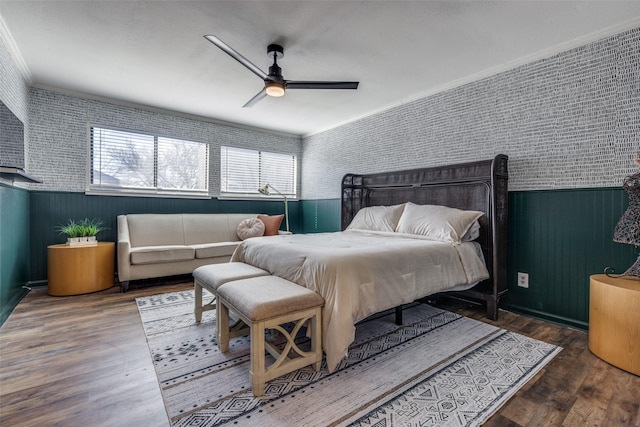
(82, 241)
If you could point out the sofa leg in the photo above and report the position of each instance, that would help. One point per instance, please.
(124, 286)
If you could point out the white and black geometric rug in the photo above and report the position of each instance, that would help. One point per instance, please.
(438, 369)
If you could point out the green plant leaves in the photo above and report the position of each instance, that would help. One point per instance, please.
(83, 228)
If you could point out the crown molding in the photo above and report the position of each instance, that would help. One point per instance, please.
(12, 47)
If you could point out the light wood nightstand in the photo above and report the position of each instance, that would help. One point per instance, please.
(614, 321)
(75, 270)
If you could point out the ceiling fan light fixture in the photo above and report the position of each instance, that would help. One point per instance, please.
(274, 89)
(274, 83)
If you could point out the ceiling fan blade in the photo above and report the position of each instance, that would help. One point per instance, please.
(253, 101)
(292, 84)
(238, 57)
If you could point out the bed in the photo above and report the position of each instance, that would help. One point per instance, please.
(386, 254)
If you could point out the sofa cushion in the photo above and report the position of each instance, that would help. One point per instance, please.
(212, 250)
(155, 229)
(210, 228)
(167, 253)
(205, 228)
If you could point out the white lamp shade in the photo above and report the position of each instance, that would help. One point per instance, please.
(274, 89)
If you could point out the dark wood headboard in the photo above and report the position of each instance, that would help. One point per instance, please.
(480, 185)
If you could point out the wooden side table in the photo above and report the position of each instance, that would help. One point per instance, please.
(75, 270)
(614, 321)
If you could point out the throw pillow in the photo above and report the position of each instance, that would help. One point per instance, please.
(437, 222)
(271, 223)
(377, 218)
(250, 227)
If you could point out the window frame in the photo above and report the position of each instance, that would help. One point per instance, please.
(253, 193)
(106, 190)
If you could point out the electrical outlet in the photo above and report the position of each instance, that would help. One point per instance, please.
(523, 280)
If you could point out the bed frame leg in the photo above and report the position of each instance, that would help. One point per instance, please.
(492, 309)
(399, 315)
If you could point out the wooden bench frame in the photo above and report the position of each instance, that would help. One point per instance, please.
(284, 364)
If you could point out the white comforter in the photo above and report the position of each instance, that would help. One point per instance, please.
(361, 273)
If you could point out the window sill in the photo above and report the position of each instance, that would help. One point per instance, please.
(253, 197)
(163, 195)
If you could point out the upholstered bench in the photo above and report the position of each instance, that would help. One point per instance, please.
(267, 302)
(210, 277)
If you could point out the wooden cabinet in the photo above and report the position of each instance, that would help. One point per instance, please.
(75, 270)
(614, 321)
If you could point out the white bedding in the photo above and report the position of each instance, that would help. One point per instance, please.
(359, 273)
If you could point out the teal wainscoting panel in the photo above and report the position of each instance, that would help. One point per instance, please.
(319, 216)
(50, 209)
(560, 238)
(14, 248)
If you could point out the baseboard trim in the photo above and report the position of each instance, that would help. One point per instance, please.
(37, 283)
(8, 308)
(559, 320)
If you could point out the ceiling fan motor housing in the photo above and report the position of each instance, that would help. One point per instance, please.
(275, 73)
(275, 51)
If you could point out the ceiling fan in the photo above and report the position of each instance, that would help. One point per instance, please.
(274, 83)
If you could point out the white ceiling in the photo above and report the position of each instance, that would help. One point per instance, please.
(153, 53)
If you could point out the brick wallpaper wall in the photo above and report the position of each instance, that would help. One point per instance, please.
(59, 136)
(568, 121)
(14, 93)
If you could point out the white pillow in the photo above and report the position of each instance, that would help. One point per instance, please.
(472, 233)
(250, 227)
(436, 222)
(377, 218)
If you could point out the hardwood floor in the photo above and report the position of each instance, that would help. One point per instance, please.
(575, 389)
(84, 361)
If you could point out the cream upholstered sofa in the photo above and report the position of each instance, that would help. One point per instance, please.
(158, 245)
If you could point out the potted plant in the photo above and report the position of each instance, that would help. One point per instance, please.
(82, 232)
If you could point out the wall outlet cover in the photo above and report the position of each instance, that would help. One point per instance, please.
(523, 280)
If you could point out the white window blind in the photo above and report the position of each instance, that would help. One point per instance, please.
(123, 161)
(243, 171)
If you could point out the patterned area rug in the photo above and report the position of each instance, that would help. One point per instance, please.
(439, 369)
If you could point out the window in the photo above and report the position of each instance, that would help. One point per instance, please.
(243, 172)
(123, 161)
